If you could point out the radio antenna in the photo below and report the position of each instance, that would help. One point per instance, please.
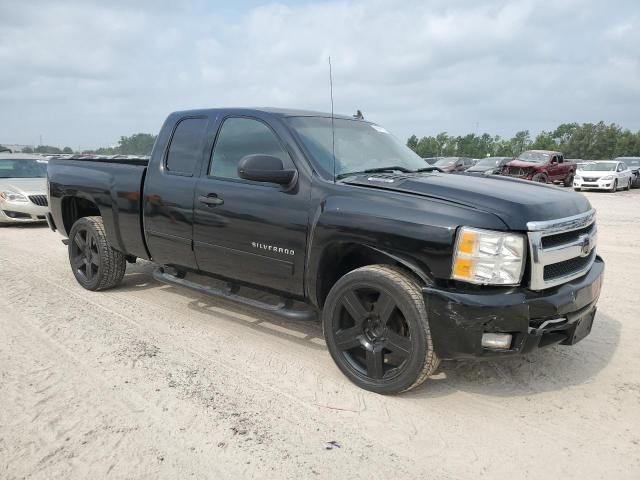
(333, 131)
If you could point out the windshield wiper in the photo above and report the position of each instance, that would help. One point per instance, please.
(388, 169)
(375, 170)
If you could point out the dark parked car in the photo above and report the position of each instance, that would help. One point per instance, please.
(453, 164)
(405, 265)
(634, 164)
(489, 165)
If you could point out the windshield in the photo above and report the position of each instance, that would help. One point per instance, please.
(599, 167)
(22, 168)
(534, 157)
(632, 162)
(446, 162)
(359, 146)
(489, 162)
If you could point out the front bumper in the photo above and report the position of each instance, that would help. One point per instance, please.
(459, 318)
(22, 212)
(594, 185)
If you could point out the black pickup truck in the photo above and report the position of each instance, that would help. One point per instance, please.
(405, 265)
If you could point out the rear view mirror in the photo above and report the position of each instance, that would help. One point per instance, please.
(264, 168)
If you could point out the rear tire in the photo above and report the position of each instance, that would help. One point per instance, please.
(94, 262)
(377, 331)
(568, 181)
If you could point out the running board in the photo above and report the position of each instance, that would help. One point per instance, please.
(284, 308)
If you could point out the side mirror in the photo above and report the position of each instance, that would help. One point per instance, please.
(264, 168)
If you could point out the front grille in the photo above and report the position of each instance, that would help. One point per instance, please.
(590, 179)
(517, 171)
(561, 250)
(566, 237)
(568, 267)
(40, 200)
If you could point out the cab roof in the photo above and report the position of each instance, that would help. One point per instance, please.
(277, 112)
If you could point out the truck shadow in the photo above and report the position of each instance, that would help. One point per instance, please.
(547, 369)
(307, 333)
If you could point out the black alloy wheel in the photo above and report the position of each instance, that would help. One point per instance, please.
(376, 329)
(85, 257)
(95, 264)
(372, 333)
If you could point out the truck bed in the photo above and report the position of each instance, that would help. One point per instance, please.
(114, 185)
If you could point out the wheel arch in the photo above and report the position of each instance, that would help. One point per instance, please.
(340, 258)
(74, 207)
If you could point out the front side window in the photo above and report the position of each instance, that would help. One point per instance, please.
(238, 138)
(186, 146)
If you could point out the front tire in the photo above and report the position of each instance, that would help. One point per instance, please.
(377, 331)
(629, 184)
(94, 263)
(614, 187)
(540, 178)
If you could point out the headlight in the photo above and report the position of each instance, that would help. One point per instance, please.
(577, 178)
(488, 258)
(13, 197)
(608, 177)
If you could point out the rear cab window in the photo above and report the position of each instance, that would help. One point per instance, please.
(185, 149)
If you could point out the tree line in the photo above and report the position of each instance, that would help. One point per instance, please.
(136, 144)
(592, 141)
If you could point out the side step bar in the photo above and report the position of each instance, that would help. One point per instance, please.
(284, 308)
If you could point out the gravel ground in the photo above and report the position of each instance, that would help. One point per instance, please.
(152, 381)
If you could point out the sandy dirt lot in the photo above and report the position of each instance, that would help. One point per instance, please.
(152, 381)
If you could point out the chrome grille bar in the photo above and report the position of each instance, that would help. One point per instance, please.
(582, 245)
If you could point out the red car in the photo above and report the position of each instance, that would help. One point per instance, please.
(541, 166)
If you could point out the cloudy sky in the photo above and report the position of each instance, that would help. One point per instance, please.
(83, 73)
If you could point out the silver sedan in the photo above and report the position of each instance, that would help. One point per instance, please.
(23, 188)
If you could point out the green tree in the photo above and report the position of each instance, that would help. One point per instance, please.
(412, 143)
(67, 150)
(27, 150)
(137, 144)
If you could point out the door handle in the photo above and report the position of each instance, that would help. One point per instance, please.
(211, 200)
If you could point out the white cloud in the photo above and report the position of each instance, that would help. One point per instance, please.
(84, 73)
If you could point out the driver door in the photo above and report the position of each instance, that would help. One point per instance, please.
(249, 231)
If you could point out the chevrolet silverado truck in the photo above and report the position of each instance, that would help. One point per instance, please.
(337, 219)
(544, 166)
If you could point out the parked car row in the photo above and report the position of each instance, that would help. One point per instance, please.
(547, 166)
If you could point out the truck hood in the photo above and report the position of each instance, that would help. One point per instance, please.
(26, 186)
(521, 164)
(515, 202)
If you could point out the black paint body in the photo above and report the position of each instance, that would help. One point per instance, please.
(316, 226)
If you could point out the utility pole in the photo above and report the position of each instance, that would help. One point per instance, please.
(40, 140)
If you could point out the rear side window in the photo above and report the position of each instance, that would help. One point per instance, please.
(186, 146)
(239, 137)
